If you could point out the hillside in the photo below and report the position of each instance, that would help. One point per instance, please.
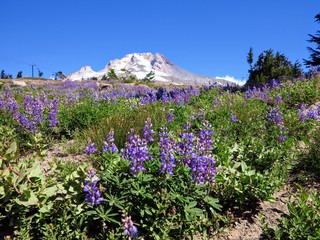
(133, 161)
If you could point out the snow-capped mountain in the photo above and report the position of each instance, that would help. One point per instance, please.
(140, 64)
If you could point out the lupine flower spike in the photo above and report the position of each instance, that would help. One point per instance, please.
(90, 148)
(136, 151)
(108, 144)
(129, 229)
(93, 196)
(147, 131)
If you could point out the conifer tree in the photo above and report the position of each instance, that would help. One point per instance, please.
(250, 58)
(3, 75)
(271, 66)
(314, 59)
(19, 75)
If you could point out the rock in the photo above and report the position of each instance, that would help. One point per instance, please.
(19, 83)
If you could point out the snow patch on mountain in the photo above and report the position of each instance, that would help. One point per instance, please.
(140, 64)
(232, 79)
(84, 73)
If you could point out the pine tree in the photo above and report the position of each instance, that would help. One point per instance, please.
(112, 75)
(149, 77)
(3, 75)
(19, 75)
(250, 58)
(271, 66)
(314, 53)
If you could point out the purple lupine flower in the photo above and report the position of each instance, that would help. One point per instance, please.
(216, 102)
(205, 138)
(186, 146)
(263, 96)
(275, 116)
(233, 117)
(203, 164)
(12, 105)
(301, 112)
(248, 93)
(302, 116)
(3, 104)
(187, 126)
(53, 114)
(136, 151)
(90, 148)
(129, 229)
(274, 83)
(170, 116)
(27, 105)
(26, 124)
(313, 114)
(282, 137)
(279, 99)
(167, 158)
(265, 88)
(93, 196)
(37, 110)
(148, 131)
(108, 144)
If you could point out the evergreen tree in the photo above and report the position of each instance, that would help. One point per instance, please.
(19, 75)
(3, 75)
(271, 66)
(250, 58)
(40, 74)
(314, 53)
(149, 77)
(112, 75)
(104, 77)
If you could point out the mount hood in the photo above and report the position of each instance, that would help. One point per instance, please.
(140, 64)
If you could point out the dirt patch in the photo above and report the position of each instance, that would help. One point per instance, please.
(57, 152)
(249, 227)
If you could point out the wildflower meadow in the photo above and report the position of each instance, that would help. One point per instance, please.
(140, 161)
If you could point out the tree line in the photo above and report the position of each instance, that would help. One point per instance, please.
(275, 65)
(4, 75)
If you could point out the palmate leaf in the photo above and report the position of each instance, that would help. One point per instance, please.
(104, 214)
(191, 211)
(213, 202)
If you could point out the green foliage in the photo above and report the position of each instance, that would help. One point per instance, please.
(82, 115)
(7, 137)
(162, 207)
(303, 220)
(122, 121)
(249, 172)
(309, 161)
(44, 199)
(271, 66)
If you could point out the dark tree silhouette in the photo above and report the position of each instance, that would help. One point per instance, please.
(314, 59)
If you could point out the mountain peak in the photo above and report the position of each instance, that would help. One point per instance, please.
(140, 64)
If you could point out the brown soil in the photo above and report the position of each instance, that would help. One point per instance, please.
(248, 226)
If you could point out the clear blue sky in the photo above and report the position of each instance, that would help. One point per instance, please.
(206, 37)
